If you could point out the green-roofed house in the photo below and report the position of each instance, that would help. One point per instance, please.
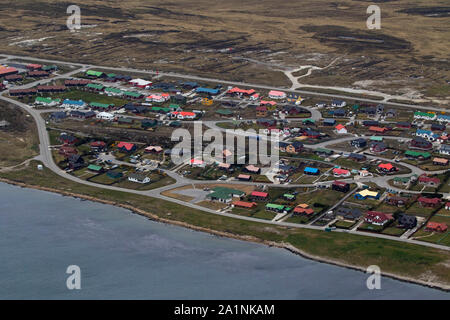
(160, 109)
(94, 74)
(308, 121)
(50, 68)
(95, 168)
(133, 95)
(424, 115)
(113, 91)
(101, 106)
(402, 181)
(47, 101)
(374, 138)
(418, 155)
(323, 152)
(279, 208)
(95, 87)
(289, 197)
(225, 195)
(114, 174)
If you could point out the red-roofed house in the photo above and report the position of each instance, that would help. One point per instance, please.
(244, 204)
(378, 129)
(126, 146)
(378, 218)
(386, 167)
(429, 181)
(437, 227)
(341, 129)
(259, 196)
(338, 172)
(244, 177)
(429, 202)
(447, 206)
(239, 91)
(340, 186)
(300, 210)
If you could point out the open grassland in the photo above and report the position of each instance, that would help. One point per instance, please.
(394, 257)
(251, 40)
(18, 141)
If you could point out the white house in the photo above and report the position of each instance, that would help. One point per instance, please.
(445, 150)
(105, 116)
(273, 94)
(138, 178)
(181, 115)
(338, 103)
(141, 83)
(341, 129)
(158, 98)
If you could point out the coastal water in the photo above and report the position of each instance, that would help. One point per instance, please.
(125, 256)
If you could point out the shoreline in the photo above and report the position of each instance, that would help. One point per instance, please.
(282, 245)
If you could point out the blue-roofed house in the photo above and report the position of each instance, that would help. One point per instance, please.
(427, 134)
(209, 91)
(74, 104)
(311, 171)
(443, 118)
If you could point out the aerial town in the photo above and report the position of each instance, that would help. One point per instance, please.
(356, 165)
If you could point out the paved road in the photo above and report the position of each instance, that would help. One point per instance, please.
(47, 159)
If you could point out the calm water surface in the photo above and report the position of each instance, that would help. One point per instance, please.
(125, 256)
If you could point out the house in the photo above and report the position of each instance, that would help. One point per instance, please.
(76, 83)
(288, 197)
(273, 94)
(22, 92)
(321, 105)
(73, 104)
(98, 146)
(95, 87)
(243, 204)
(148, 123)
(240, 92)
(338, 103)
(338, 172)
(447, 206)
(225, 195)
(6, 71)
(391, 113)
(294, 147)
(427, 134)
(440, 161)
(406, 221)
(138, 178)
(357, 157)
(125, 120)
(323, 152)
(252, 169)
(436, 227)
(443, 118)
(311, 171)
(378, 218)
(261, 111)
(38, 74)
(208, 91)
(34, 66)
(101, 106)
(429, 202)
(367, 194)
(378, 147)
(113, 92)
(278, 208)
(75, 161)
(95, 168)
(158, 98)
(341, 129)
(386, 168)
(133, 108)
(420, 143)
(82, 114)
(396, 201)
(402, 181)
(58, 116)
(329, 122)
(300, 210)
(67, 139)
(140, 83)
(224, 166)
(153, 149)
(259, 196)
(182, 115)
(348, 213)
(197, 163)
(105, 116)
(429, 181)
(137, 95)
(417, 155)
(95, 74)
(244, 177)
(404, 124)
(311, 134)
(444, 149)
(54, 88)
(48, 102)
(370, 123)
(424, 115)
(126, 147)
(378, 130)
(358, 143)
(437, 127)
(341, 186)
(67, 151)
